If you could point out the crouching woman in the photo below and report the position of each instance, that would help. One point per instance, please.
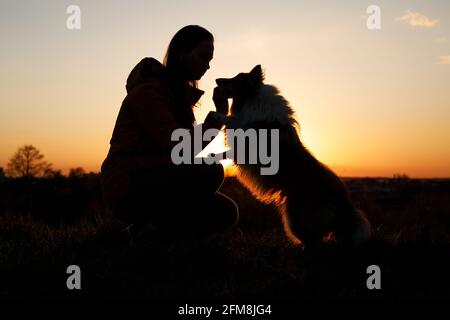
(140, 183)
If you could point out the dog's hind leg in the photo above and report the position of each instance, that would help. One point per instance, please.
(303, 222)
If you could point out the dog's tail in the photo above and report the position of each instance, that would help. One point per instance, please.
(362, 230)
(354, 229)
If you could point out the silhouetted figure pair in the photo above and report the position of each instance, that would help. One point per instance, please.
(140, 183)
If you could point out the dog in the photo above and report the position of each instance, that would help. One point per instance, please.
(314, 203)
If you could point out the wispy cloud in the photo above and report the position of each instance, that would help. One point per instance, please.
(417, 19)
(444, 59)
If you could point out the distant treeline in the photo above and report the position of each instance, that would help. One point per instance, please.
(52, 198)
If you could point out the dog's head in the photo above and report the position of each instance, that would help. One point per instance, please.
(242, 86)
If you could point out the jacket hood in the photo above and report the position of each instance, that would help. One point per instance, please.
(149, 68)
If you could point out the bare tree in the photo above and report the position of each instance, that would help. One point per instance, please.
(27, 162)
(77, 172)
(52, 174)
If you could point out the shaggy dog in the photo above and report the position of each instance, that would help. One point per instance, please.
(313, 202)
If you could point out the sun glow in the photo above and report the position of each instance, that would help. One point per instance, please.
(360, 95)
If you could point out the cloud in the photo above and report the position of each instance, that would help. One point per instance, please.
(417, 19)
(444, 59)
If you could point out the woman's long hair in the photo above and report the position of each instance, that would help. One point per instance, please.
(184, 41)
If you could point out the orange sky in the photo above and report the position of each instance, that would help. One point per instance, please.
(370, 103)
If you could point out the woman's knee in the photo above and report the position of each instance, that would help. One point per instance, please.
(218, 176)
(201, 178)
(209, 178)
(229, 210)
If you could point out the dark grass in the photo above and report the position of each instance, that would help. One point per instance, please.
(64, 223)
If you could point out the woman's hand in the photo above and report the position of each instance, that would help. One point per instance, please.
(220, 100)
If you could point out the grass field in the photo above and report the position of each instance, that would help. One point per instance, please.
(46, 227)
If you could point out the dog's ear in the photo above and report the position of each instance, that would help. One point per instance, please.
(257, 75)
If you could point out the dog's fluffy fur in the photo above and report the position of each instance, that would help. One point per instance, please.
(313, 202)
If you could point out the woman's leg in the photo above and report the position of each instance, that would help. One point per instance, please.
(179, 198)
(199, 216)
(177, 179)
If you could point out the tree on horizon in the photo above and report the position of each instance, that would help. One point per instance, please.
(77, 172)
(51, 173)
(27, 162)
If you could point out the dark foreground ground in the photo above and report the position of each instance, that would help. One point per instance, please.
(50, 225)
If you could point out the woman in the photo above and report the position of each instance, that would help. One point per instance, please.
(140, 183)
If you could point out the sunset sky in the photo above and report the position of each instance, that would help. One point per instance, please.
(369, 102)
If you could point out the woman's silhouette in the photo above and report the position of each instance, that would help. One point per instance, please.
(140, 183)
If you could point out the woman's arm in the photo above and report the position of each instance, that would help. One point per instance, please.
(150, 107)
(215, 119)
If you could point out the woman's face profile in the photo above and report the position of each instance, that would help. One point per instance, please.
(197, 61)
